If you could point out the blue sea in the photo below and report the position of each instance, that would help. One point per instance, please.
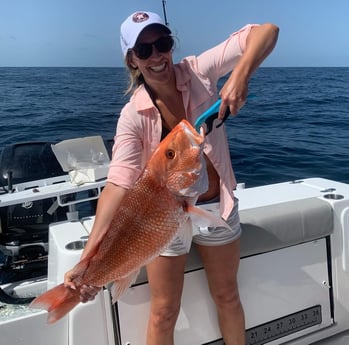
(296, 126)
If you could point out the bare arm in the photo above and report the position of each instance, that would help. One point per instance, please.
(260, 42)
(108, 203)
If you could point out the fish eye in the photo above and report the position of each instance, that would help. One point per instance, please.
(170, 154)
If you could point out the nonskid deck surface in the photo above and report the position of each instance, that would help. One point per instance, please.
(11, 311)
(338, 339)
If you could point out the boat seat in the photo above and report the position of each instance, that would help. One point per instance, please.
(274, 227)
(286, 224)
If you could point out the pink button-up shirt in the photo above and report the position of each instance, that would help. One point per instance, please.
(139, 126)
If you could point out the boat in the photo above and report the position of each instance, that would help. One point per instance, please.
(293, 275)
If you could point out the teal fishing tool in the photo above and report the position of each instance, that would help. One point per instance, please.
(211, 114)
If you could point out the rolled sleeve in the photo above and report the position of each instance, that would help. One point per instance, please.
(126, 164)
(221, 59)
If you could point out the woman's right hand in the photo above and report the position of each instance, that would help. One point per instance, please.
(108, 202)
(87, 292)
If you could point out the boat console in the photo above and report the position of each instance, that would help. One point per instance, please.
(293, 277)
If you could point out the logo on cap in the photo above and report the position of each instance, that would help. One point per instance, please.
(140, 17)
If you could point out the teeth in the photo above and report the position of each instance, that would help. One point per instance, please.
(158, 68)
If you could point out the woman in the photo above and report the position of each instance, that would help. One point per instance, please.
(163, 94)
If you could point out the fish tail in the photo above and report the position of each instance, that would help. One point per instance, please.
(57, 301)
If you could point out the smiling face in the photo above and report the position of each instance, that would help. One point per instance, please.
(157, 69)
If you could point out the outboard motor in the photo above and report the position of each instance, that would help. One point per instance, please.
(24, 226)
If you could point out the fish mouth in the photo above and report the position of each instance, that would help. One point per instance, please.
(196, 139)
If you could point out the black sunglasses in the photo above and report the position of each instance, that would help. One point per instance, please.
(145, 50)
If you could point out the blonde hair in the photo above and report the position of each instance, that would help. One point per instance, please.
(134, 75)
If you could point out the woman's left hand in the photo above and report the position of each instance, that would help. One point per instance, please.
(259, 43)
(233, 95)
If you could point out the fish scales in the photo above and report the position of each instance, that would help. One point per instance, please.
(150, 215)
(137, 241)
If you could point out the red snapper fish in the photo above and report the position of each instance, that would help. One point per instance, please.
(152, 213)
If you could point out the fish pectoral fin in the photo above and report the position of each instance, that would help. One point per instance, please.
(205, 219)
(118, 287)
(186, 234)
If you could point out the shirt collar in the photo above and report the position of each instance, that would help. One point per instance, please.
(182, 76)
(141, 97)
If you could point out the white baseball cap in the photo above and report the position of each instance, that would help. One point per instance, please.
(133, 26)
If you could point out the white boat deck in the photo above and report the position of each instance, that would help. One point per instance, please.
(290, 277)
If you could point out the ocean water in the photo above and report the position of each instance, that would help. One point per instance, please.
(296, 126)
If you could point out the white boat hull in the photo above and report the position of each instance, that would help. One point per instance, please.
(293, 278)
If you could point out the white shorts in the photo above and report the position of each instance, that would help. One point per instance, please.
(213, 237)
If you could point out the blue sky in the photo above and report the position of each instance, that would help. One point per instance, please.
(86, 32)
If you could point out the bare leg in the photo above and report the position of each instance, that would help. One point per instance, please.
(221, 265)
(166, 276)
